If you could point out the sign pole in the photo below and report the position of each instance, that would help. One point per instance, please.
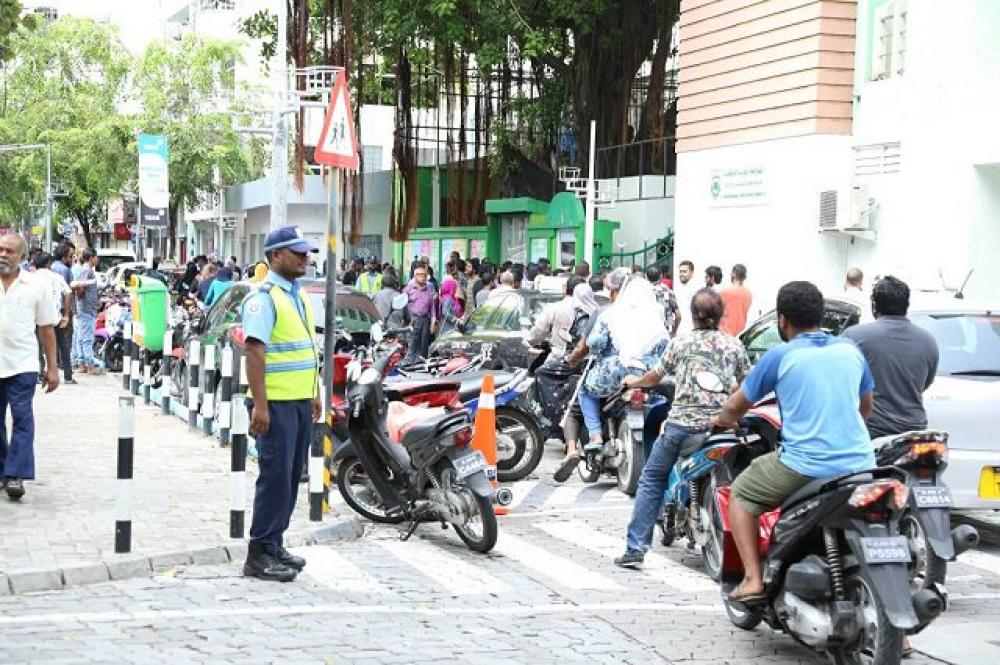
(330, 318)
(591, 207)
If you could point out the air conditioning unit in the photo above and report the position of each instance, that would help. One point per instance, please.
(856, 216)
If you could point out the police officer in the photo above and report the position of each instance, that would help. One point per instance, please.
(283, 374)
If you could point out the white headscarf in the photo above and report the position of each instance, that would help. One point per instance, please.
(635, 320)
(583, 299)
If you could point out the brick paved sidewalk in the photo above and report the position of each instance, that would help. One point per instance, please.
(62, 531)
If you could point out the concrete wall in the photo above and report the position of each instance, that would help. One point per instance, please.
(645, 219)
(942, 216)
(777, 237)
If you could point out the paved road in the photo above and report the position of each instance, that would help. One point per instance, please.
(548, 594)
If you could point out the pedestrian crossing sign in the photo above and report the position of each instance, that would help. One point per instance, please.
(337, 145)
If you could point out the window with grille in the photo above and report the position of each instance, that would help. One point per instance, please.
(888, 40)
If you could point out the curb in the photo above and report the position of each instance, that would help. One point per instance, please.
(132, 566)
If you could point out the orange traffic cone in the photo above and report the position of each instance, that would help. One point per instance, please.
(484, 437)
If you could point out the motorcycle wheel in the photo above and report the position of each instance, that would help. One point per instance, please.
(742, 619)
(880, 643)
(527, 447)
(666, 523)
(360, 494)
(711, 552)
(113, 354)
(631, 467)
(99, 343)
(927, 568)
(479, 533)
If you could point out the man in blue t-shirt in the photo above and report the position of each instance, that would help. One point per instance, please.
(825, 392)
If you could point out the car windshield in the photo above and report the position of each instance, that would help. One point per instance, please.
(495, 312)
(107, 261)
(968, 344)
(356, 311)
(763, 335)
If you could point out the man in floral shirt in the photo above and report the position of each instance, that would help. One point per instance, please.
(697, 360)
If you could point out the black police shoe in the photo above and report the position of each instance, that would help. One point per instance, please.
(265, 566)
(290, 560)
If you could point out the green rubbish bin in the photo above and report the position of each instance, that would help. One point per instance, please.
(149, 312)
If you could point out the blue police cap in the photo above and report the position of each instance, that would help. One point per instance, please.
(288, 237)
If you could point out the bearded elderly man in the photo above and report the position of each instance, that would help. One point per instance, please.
(26, 306)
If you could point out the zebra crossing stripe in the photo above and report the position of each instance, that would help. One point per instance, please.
(450, 572)
(563, 571)
(981, 560)
(661, 568)
(325, 566)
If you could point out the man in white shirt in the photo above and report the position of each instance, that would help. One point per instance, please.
(62, 298)
(855, 293)
(684, 290)
(26, 306)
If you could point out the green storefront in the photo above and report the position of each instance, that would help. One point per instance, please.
(522, 230)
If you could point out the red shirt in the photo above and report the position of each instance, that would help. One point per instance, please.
(736, 300)
(668, 282)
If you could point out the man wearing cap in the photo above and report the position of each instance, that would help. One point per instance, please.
(283, 374)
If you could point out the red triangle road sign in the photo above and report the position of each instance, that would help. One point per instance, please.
(337, 145)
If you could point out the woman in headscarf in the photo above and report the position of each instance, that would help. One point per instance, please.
(627, 339)
(451, 306)
(186, 283)
(223, 280)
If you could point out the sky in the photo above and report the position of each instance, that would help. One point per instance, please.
(139, 21)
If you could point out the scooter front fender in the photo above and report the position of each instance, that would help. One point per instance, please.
(890, 582)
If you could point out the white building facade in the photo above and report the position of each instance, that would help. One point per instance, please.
(818, 135)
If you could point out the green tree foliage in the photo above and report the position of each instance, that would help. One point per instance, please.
(10, 22)
(182, 88)
(63, 87)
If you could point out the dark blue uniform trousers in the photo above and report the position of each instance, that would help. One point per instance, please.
(17, 452)
(281, 455)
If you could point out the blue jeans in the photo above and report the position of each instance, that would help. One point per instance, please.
(17, 452)
(83, 341)
(652, 485)
(590, 405)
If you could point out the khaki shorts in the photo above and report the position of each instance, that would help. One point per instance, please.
(765, 484)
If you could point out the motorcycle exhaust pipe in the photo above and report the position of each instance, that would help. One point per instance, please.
(504, 496)
(927, 605)
(964, 537)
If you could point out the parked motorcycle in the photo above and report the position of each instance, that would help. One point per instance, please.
(519, 441)
(406, 463)
(835, 564)
(926, 522)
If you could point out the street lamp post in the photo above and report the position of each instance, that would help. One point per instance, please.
(279, 145)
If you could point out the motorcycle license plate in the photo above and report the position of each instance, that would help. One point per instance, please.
(635, 420)
(932, 497)
(886, 550)
(469, 464)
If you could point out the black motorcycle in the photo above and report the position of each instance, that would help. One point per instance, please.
(926, 521)
(835, 565)
(407, 463)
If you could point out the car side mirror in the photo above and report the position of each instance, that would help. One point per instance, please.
(400, 302)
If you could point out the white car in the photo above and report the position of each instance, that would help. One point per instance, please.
(965, 397)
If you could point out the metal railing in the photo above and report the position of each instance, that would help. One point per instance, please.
(657, 252)
(650, 157)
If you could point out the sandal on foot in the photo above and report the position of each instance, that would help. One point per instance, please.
(754, 597)
(565, 469)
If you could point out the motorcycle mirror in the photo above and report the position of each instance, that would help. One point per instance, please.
(400, 301)
(709, 382)
(377, 333)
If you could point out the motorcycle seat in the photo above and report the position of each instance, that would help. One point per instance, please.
(693, 443)
(409, 425)
(816, 486)
(472, 383)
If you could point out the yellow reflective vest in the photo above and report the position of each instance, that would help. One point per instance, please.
(290, 358)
